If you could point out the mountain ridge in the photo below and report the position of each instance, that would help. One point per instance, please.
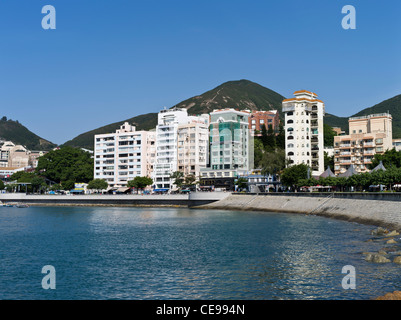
(14, 131)
(239, 94)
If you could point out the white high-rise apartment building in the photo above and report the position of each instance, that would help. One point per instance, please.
(193, 146)
(304, 141)
(177, 135)
(123, 155)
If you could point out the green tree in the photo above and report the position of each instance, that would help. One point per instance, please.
(270, 140)
(2, 185)
(328, 161)
(389, 158)
(178, 177)
(68, 185)
(263, 136)
(291, 176)
(242, 183)
(66, 164)
(11, 187)
(273, 162)
(190, 180)
(280, 138)
(97, 184)
(140, 183)
(258, 152)
(328, 135)
(341, 183)
(17, 175)
(37, 183)
(56, 187)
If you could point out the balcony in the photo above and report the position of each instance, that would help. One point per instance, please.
(288, 108)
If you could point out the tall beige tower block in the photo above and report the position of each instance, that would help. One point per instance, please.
(304, 140)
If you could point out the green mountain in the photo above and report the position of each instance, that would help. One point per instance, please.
(14, 131)
(242, 94)
(392, 106)
(85, 140)
(334, 121)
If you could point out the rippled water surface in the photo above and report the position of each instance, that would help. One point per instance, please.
(166, 253)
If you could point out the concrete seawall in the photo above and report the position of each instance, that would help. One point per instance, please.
(370, 208)
(182, 200)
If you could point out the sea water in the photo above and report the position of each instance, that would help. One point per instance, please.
(179, 253)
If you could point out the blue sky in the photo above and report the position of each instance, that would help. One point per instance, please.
(111, 60)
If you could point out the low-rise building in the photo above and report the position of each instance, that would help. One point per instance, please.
(368, 135)
(15, 156)
(258, 119)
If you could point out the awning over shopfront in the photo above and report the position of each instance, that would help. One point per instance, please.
(76, 191)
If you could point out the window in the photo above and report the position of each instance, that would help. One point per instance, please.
(290, 153)
(290, 121)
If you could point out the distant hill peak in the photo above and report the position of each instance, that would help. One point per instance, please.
(15, 132)
(239, 94)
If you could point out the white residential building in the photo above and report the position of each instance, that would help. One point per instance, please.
(193, 146)
(123, 155)
(304, 141)
(174, 127)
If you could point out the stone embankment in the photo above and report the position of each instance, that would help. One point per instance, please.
(131, 200)
(370, 208)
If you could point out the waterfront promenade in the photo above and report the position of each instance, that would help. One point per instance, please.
(180, 200)
(381, 209)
